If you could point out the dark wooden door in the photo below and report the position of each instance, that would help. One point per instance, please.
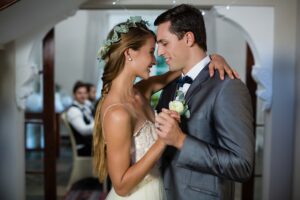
(248, 187)
(49, 117)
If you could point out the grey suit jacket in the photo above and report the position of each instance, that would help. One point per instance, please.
(219, 147)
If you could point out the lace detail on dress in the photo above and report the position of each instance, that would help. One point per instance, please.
(152, 185)
(142, 140)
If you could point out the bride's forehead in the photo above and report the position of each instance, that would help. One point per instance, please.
(150, 41)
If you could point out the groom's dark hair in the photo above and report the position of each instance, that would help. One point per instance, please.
(185, 18)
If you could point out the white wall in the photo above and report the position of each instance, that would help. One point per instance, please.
(280, 133)
(279, 160)
(70, 44)
(17, 24)
(12, 135)
(296, 181)
(231, 43)
(30, 15)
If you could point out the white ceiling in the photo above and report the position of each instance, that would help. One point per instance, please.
(159, 4)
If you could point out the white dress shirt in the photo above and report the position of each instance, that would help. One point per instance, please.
(75, 118)
(193, 73)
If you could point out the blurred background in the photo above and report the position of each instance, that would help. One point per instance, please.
(46, 46)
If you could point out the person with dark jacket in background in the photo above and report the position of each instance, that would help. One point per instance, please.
(81, 119)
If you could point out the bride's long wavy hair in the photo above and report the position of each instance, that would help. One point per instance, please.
(135, 38)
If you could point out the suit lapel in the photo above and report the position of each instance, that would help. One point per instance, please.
(173, 89)
(167, 95)
(197, 83)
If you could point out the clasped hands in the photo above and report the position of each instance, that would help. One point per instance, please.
(167, 128)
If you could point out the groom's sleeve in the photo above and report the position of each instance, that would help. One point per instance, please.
(233, 156)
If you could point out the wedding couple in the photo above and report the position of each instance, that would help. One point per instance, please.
(170, 156)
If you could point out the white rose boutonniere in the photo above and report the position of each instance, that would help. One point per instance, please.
(179, 105)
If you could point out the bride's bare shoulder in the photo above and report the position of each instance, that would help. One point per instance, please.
(115, 111)
(118, 122)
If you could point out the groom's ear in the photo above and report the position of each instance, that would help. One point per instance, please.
(189, 38)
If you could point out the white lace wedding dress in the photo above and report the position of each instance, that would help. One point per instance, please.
(151, 187)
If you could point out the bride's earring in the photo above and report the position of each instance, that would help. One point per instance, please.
(130, 59)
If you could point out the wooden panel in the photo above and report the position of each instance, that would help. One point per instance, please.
(6, 3)
(248, 187)
(49, 117)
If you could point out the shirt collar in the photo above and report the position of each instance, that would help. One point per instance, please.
(78, 104)
(195, 70)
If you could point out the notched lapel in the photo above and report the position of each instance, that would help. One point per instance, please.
(173, 89)
(167, 95)
(197, 83)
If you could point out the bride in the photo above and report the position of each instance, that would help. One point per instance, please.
(125, 144)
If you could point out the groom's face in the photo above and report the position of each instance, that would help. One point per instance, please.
(170, 47)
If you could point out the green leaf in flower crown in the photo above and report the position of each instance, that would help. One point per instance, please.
(135, 19)
(122, 28)
(107, 43)
(146, 23)
(115, 37)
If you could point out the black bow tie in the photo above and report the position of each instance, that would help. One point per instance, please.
(186, 79)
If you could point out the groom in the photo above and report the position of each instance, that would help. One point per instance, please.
(214, 147)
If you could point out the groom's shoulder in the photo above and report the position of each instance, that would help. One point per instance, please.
(227, 82)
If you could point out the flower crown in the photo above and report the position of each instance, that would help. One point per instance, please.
(116, 36)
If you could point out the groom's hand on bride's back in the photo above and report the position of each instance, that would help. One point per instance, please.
(220, 64)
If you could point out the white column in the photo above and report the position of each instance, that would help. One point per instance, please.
(296, 181)
(12, 131)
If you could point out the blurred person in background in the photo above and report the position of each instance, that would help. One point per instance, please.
(91, 101)
(81, 119)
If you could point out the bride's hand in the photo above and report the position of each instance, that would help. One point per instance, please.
(161, 143)
(173, 114)
(220, 64)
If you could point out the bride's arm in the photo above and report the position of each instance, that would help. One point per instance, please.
(156, 83)
(118, 131)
